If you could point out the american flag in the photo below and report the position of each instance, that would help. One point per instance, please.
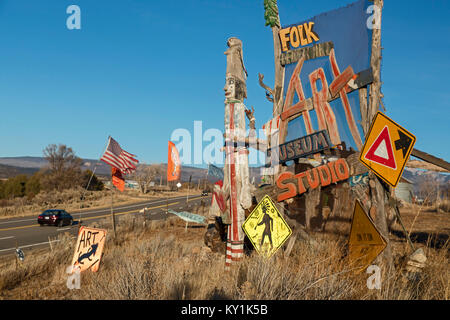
(117, 157)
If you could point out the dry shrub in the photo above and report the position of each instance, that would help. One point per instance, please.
(159, 269)
(444, 206)
(68, 199)
(38, 267)
(156, 262)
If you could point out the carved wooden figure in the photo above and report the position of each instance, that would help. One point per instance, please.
(236, 171)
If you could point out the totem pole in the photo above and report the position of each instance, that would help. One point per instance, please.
(236, 171)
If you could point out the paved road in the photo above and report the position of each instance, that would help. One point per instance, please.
(27, 233)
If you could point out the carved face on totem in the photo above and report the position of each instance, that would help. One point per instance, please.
(230, 87)
(234, 89)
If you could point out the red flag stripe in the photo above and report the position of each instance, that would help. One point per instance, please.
(110, 161)
(119, 158)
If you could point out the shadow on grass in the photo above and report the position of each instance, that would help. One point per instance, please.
(433, 240)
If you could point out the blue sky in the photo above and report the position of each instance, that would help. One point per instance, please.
(139, 69)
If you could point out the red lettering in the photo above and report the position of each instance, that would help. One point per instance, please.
(301, 186)
(333, 174)
(342, 169)
(324, 169)
(313, 183)
(292, 190)
(325, 115)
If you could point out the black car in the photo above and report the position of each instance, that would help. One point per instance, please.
(55, 217)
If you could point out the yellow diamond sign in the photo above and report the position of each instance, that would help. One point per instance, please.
(266, 228)
(366, 242)
(387, 149)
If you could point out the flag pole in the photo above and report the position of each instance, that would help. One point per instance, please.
(112, 207)
(90, 179)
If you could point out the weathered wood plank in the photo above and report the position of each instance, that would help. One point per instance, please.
(341, 81)
(345, 102)
(305, 105)
(431, 159)
(308, 53)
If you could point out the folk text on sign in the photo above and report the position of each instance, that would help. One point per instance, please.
(298, 36)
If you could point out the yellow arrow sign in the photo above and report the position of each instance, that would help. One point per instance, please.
(365, 242)
(387, 149)
(266, 228)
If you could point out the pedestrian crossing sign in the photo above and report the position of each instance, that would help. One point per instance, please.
(266, 228)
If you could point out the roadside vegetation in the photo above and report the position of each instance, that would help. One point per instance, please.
(159, 260)
(61, 182)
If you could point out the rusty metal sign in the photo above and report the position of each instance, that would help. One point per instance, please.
(89, 248)
(387, 149)
(266, 228)
(365, 242)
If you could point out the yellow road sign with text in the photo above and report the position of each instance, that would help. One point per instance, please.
(365, 242)
(266, 228)
(387, 149)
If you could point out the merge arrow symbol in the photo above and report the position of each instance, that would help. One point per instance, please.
(403, 143)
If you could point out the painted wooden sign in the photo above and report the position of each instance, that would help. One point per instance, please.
(387, 149)
(365, 242)
(296, 36)
(326, 59)
(361, 179)
(89, 248)
(303, 146)
(291, 185)
(265, 228)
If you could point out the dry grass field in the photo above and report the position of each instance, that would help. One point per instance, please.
(162, 261)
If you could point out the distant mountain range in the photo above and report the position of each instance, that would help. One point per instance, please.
(418, 176)
(12, 171)
(12, 166)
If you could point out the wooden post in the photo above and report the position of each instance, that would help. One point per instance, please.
(112, 210)
(167, 204)
(50, 243)
(206, 179)
(272, 18)
(187, 196)
(376, 188)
